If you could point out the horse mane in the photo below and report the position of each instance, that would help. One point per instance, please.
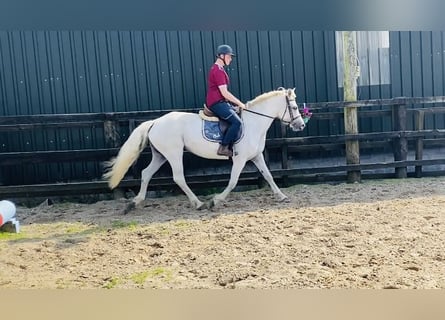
(267, 95)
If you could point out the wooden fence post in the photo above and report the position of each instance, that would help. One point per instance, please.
(134, 168)
(112, 140)
(350, 76)
(284, 156)
(420, 120)
(352, 146)
(111, 133)
(401, 143)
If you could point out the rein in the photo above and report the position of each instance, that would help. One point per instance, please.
(258, 113)
(267, 116)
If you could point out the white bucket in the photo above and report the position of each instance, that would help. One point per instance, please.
(7, 211)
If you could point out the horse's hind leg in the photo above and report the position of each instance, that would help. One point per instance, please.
(262, 167)
(157, 161)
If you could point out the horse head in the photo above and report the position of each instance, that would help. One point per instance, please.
(292, 114)
(279, 104)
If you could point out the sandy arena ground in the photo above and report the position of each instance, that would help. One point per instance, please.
(376, 234)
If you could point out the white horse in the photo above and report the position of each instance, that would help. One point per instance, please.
(170, 134)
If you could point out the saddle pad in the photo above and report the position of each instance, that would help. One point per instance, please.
(211, 131)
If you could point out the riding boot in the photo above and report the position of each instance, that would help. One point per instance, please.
(224, 151)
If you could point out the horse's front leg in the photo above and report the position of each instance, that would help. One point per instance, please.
(237, 167)
(262, 167)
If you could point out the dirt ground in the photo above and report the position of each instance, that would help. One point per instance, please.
(376, 234)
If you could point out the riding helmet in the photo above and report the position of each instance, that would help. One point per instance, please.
(224, 49)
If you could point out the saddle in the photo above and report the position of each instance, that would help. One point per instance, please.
(214, 128)
(208, 113)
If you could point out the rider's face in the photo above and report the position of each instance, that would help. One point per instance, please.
(227, 59)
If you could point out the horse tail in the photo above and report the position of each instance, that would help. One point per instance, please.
(116, 167)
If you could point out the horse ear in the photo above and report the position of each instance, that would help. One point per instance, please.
(291, 93)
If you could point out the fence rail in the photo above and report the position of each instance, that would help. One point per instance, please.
(399, 140)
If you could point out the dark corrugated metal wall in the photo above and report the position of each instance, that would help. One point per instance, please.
(104, 71)
(94, 71)
(418, 68)
(97, 71)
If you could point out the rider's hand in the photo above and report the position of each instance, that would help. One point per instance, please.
(236, 109)
(242, 106)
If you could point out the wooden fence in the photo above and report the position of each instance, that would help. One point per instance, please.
(398, 140)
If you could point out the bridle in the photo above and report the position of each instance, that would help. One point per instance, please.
(288, 108)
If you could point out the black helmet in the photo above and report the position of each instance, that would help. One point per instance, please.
(224, 49)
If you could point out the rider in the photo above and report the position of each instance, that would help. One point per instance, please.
(219, 99)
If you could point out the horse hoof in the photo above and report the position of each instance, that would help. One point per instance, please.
(210, 203)
(201, 206)
(129, 207)
(283, 199)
